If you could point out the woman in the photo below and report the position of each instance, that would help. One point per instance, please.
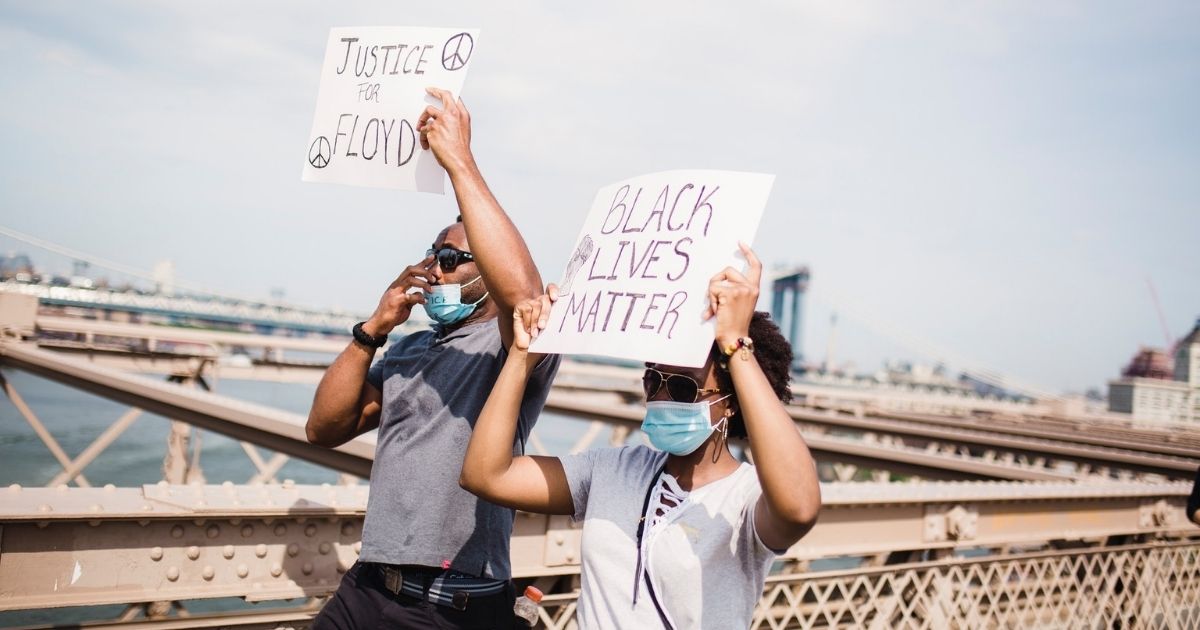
(683, 536)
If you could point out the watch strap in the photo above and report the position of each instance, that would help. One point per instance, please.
(362, 337)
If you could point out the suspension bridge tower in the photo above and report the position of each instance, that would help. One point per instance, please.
(787, 309)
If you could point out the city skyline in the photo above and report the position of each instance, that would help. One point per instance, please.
(996, 182)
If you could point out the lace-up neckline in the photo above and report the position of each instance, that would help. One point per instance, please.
(668, 496)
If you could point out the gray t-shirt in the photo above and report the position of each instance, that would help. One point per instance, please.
(705, 558)
(433, 388)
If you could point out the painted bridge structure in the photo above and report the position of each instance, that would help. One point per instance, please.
(992, 519)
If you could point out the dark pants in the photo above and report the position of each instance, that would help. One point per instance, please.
(362, 602)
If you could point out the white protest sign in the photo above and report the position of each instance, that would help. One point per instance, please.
(636, 285)
(373, 82)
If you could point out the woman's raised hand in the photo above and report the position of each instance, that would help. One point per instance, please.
(732, 297)
(530, 318)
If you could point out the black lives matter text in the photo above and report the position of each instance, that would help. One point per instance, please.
(645, 235)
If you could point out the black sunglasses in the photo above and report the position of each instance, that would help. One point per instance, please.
(680, 388)
(449, 258)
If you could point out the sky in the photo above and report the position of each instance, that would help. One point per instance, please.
(987, 184)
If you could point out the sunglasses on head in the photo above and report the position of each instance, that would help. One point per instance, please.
(680, 388)
(449, 258)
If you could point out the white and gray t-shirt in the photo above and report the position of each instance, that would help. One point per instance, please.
(704, 557)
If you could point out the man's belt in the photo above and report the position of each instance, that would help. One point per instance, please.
(438, 588)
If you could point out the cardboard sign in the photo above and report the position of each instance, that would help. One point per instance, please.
(636, 285)
(372, 93)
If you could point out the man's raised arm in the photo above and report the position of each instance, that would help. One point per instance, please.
(500, 252)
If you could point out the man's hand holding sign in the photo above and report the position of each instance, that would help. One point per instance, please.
(372, 100)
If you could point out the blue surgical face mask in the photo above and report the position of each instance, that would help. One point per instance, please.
(680, 428)
(444, 303)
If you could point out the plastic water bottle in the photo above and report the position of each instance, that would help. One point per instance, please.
(526, 606)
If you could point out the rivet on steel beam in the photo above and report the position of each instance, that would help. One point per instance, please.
(163, 483)
(43, 524)
(307, 568)
(177, 531)
(144, 522)
(94, 523)
(324, 548)
(208, 573)
(348, 529)
(242, 570)
(45, 507)
(570, 556)
(558, 539)
(280, 529)
(247, 531)
(235, 521)
(146, 507)
(156, 554)
(228, 485)
(293, 550)
(62, 487)
(96, 507)
(199, 522)
(260, 550)
(310, 530)
(213, 531)
(108, 487)
(173, 573)
(193, 552)
(16, 487)
(227, 551)
(288, 484)
(276, 569)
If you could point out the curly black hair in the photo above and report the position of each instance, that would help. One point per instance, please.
(774, 355)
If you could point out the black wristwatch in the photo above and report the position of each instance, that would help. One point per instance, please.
(363, 338)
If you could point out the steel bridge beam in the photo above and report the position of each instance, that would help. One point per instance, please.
(1170, 467)
(258, 424)
(86, 546)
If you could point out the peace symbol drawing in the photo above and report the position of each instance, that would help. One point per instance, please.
(457, 51)
(320, 152)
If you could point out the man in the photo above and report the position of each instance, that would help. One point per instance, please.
(433, 555)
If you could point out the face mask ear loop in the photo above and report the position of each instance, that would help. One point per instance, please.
(723, 442)
(485, 295)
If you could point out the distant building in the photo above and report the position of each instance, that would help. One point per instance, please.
(1149, 390)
